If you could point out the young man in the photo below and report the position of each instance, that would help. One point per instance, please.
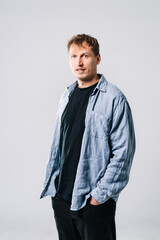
(92, 149)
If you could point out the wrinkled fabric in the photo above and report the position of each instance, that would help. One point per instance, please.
(107, 149)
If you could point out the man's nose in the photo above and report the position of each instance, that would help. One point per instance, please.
(80, 62)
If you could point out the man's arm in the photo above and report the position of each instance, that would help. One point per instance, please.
(122, 144)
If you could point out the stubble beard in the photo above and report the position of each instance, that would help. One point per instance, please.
(87, 78)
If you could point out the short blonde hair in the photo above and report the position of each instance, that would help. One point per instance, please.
(81, 38)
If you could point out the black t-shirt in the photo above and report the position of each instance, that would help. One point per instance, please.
(72, 128)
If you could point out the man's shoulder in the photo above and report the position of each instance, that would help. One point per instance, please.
(112, 91)
(68, 89)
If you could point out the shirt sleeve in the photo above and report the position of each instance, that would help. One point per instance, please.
(122, 147)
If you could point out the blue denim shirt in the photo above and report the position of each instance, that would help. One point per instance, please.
(107, 149)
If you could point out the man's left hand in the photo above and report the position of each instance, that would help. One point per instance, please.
(93, 201)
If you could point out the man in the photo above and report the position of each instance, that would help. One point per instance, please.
(92, 149)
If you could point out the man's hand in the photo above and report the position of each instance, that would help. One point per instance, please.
(93, 201)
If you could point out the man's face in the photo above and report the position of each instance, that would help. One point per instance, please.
(83, 62)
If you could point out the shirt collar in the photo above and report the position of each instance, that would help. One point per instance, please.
(102, 84)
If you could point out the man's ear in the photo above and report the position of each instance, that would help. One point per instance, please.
(98, 58)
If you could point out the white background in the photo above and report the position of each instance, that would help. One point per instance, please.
(34, 71)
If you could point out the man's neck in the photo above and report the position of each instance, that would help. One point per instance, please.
(85, 84)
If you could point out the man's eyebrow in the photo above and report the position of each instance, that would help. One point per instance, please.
(74, 54)
(86, 53)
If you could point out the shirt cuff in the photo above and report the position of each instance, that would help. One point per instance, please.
(98, 195)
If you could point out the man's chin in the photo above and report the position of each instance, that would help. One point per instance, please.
(83, 78)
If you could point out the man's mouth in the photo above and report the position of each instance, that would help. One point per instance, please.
(80, 69)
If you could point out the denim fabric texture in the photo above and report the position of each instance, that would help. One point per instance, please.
(107, 149)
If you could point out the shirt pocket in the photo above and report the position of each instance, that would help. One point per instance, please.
(98, 125)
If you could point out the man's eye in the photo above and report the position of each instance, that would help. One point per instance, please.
(85, 55)
(73, 56)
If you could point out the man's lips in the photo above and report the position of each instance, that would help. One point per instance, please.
(80, 69)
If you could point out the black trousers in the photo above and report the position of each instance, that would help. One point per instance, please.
(89, 223)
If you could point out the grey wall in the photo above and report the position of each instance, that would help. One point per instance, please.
(34, 72)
